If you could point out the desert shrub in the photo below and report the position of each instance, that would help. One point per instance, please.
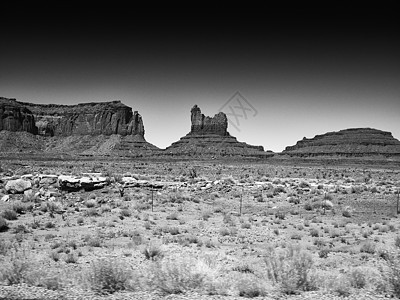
(54, 255)
(308, 206)
(139, 206)
(250, 286)
(280, 215)
(278, 189)
(176, 275)
(71, 258)
(373, 189)
(80, 221)
(205, 215)
(9, 214)
(246, 226)
(152, 252)
(51, 206)
(173, 230)
(296, 236)
(3, 224)
(319, 242)
(49, 225)
(91, 202)
(383, 228)
(93, 241)
(314, 232)
(16, 269)
(346, 213)
(358, 278)
(4, 247)
(18, 207)
(304, 185)
(108, 276)
(228, 219)
(173, 216)
(392, 275)
(224, 231)
(355, 189)
(397, 241)
(126, 213)
(317, 205)
(91, 212)
(323, 253)
(291, 269)
(368, 247)
(294, 200)
(20, 228)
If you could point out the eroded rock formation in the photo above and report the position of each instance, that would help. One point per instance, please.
(106, 128)
(16, 117)
(206, 125)
(209, 137)
(63, 120)
(354, 142)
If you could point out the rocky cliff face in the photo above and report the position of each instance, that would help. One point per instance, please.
(209, 137)
(83, 119)
(352, 142)
(107, 128)
(16, 117)
(206, 125)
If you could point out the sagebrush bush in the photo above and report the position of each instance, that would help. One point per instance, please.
(152, 252)
(9, 214)
(250, 286)
(15, 270)
(107, 276)
(291, 269)
(176, 275)
(3, 224)
(368, 247)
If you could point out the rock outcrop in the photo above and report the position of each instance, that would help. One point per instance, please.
(202, 125)
(16, 117)
(105, 128)
(209, 137)
(354, 142)
(63, 120)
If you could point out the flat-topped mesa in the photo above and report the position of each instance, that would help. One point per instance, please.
(105, 118)
(203, 125)
(348, 142)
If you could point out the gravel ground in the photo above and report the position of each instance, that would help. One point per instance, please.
(24, 292)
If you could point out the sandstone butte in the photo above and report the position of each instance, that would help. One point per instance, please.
(209, 136)
(353, 142)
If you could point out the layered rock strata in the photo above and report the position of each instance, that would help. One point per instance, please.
(88, 128)
(354, 142)
(209, 137)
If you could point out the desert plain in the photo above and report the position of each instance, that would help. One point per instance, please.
(98, 228)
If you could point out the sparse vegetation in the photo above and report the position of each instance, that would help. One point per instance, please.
(207, 233)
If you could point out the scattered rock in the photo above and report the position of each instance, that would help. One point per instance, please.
(17, 186)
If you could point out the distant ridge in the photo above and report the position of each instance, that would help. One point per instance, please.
(353, 142)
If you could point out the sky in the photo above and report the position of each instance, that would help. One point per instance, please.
(279, 78)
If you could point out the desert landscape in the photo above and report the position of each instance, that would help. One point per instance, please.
(91, 210)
